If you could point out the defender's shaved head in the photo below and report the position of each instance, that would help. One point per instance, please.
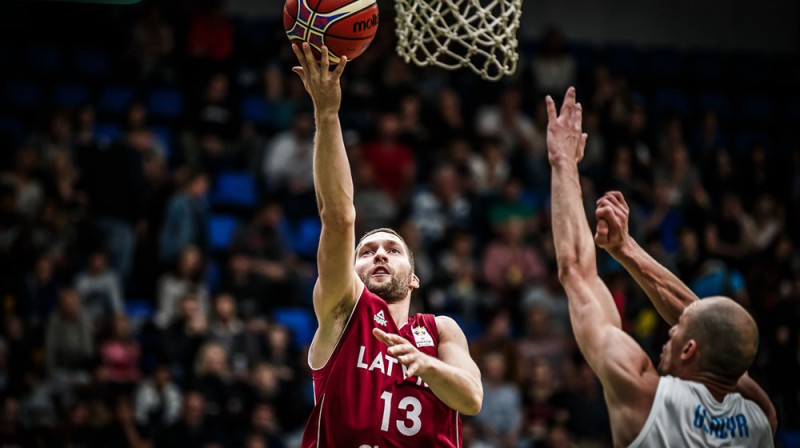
(726, 335)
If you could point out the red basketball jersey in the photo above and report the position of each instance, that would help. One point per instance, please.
(364, 399)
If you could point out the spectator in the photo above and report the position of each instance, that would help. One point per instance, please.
(212, 377)
(182, 339)
(225, 326)
(38, 295)
(211, 34)
(121, 354)
(100, 290)
(115, 185)
(287, 165)
(501, 414)
(152, 44)
(506, 121)
(186, 217)
(68, 346)
(391, 160)
(193, 429)
(12, 434)
(157, 401)
(541, 342)
(553, 68)
(174, 286)
(265, 242)
(509, 264)
(23, 180)
(440, 208)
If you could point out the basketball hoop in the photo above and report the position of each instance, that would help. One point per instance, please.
(453, 34)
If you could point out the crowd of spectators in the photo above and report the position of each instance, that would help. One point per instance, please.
(123, 324)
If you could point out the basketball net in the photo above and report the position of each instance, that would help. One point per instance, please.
(453, 34)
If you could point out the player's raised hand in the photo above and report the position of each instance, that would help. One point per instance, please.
(416, 362)
(565, 139)
(612, 221)
(320, 82)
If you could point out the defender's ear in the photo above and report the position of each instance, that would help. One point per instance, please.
(689, 350)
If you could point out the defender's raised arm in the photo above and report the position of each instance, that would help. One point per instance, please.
(629, 378)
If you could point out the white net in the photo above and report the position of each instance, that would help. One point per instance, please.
(451, 34)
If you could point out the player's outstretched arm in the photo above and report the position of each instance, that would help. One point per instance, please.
(453, 376)
(629, 378)
(666, 291)
(337, 285)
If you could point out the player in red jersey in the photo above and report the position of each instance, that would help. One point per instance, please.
(382, 378)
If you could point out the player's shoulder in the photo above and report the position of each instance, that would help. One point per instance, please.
(448, 328)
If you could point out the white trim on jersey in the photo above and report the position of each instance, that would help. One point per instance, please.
(319, 420)
(308, 359)
(458, 441)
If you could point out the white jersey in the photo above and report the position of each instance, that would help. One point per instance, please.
(685, 414)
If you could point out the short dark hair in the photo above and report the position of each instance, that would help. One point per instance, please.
(391, 232)
(725, 346)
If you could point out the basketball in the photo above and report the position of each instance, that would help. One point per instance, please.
(346, 27)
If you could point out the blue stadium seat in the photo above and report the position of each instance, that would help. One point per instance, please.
(114, 99)
(235, 188)
(256, 109)
(107, 133)
(756, 108)
(716, 102)
(24, 94)
(44, 58)
(70, 95)
(90, 62)
(165, 103)
(300, 321)
(306, 237)
(221, 230)
(671, 101)
(138, 311)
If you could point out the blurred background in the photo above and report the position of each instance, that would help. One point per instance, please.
(158, 227)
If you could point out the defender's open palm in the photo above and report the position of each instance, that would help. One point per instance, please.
(320, 82)
(564, 136)
(612, 221)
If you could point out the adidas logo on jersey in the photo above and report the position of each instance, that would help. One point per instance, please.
(380, 319)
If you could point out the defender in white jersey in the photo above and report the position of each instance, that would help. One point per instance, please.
(705, 398)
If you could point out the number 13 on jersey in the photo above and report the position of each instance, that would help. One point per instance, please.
(412, 408)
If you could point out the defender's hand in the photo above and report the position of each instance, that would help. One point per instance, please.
(565, 140)
(612, 215)
(416, 362)
(320, 82)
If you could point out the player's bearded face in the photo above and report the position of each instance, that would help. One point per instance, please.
(384, 267)
(392, 289)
